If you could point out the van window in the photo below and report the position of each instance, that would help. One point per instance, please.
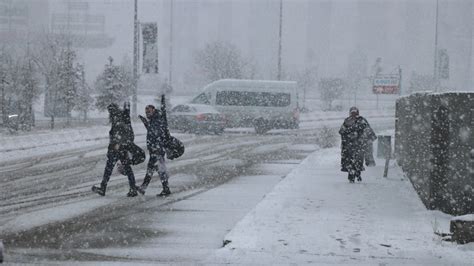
(201, 99)
(181, 109)
(250, 98)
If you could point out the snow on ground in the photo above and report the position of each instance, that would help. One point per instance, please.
(193, 228)
(61, 212)
(44, 141)
(41, 142)
(315, 216)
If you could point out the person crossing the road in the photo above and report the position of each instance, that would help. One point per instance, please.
(156, 140)
(121, 138)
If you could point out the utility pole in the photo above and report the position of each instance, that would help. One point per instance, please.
(4, 109)
(171, 45)
(135, 61)
(279, 40)
(435, 73)
(400, 81)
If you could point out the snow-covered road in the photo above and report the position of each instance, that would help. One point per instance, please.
(47, 204)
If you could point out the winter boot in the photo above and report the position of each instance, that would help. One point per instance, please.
(99, 189)
(132, 192)
(141, 189)
(351, 178)
(166, 190)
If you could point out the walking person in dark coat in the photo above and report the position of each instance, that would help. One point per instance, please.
(121, 138)
(156, 139)
(354, 135)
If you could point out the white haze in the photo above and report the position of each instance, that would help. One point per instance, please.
(320, 34)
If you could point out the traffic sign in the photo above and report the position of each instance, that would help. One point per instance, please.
(386, 84)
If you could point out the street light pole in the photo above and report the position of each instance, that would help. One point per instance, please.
(4, 109)
(435, 73)
(171, 45)
(135, 60)
(279, 40)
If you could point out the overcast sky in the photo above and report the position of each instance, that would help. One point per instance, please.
(315, 33)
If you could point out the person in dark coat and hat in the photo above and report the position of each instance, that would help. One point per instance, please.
(121, 138)
(355, 134)
(157, 137)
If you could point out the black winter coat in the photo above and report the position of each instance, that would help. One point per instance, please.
(121, 133)
(157, 131)
(355, 133)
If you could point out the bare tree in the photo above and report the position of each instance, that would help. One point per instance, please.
(420, 82)
(84, 101)
(56, 59)
(68, 81)
(307, 81)
(112, 85)
(5, 61)
(330, 89)
(20, 85)
(28, 91)
(220, 60)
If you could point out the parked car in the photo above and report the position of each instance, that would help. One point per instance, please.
(196, 118)
(12, 123)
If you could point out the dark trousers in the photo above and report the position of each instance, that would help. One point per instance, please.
(112, 157)
(156, 163)
(353, 174)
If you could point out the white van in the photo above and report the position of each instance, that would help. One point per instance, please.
(263, 104)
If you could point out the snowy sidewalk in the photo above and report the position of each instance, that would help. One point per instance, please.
(315, 216)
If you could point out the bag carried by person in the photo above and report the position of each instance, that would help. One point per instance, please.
(174, 148)
(138, 154)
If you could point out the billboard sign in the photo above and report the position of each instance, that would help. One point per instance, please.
(443, 64)
(150, 47)
(386, 84)
(13, 16)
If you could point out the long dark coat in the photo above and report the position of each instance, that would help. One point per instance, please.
(121, 134)
(157, 133)
(157, 130)
(354, 135)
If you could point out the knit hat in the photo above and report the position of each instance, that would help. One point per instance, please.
(354, 110)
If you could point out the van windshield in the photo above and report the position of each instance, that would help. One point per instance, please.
(201, 99)
(250, 98)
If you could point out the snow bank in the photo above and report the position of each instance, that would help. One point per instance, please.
(315, 216)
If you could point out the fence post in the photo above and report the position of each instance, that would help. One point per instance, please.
(1, 251)
(384, 149)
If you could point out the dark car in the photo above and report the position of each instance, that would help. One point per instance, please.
(12, 123)
(196, 118)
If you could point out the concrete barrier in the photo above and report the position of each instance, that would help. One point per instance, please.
(462, 229)
(433, 143)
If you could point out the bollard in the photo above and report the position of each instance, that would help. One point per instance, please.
(384, 150)
(1, 251)
(472, 164)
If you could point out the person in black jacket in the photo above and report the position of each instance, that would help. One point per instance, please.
(156, 140)
(121, 137)
(355, 133)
